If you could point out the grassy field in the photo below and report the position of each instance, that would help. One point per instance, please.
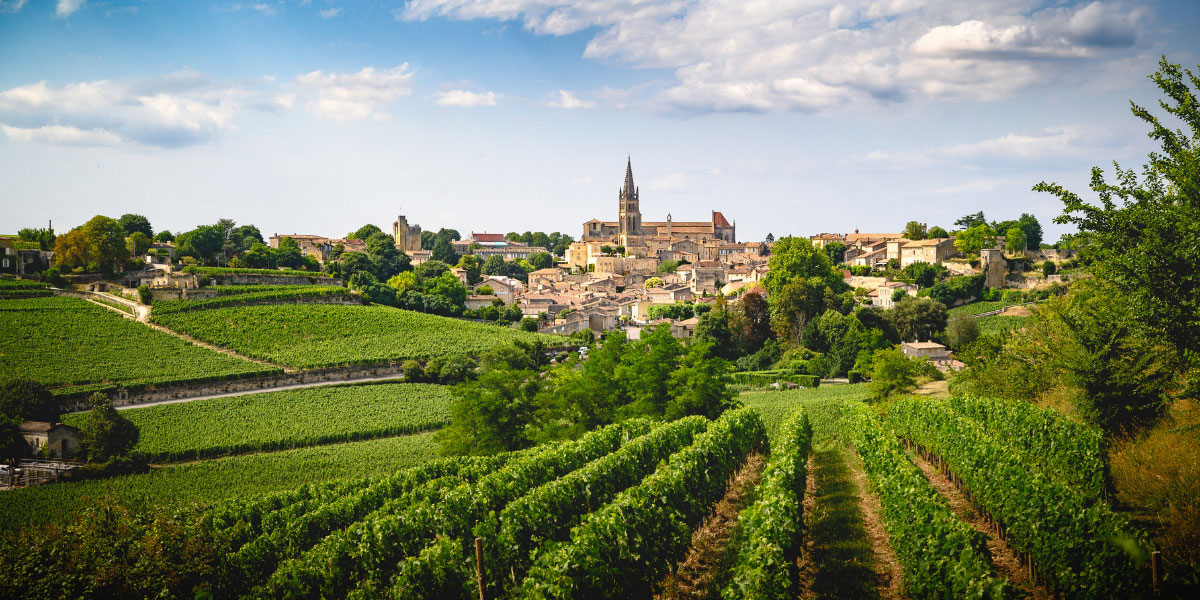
(312, 335)
(219, 479)
(285, 419)
(64, 342)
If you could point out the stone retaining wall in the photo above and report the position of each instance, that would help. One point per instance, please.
(180, 392)
(255, 279)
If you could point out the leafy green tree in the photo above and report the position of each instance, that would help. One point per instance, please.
(204, 243)
(646, 367)
(836, 251)
(131, 223)
(924, 274)
(491, 414)
(700, 386)
(1145, 229)
(472, 266)
(1014, 240)
(715, 328)
(1049, 268)
(972, 220)
(106, 433)
(44, 237)
(750, 322)
(974, 239)
(770, 238)
(918, 318)
(541, 260)
(443, 250)
(137, 244)
(164, 236)
(668, 266)
(387, 260)
(1032, 229)
(363, 233)
(355, 262)
(961, 332)
(914, 230)
(793, 306)
(427, 240)
(432, 269)
(27, 400)
(796, 258)
(653, 282)
(938, 233)
(288, 254)
(893, 373)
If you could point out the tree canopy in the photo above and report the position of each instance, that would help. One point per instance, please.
(131, 223)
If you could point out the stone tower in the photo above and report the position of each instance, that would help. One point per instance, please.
(408, 237)
(629, 214)
(994, 267)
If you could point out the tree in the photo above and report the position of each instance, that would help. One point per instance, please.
(443, 250)
(363, 233)
(355, 262)
(750, 322)
(1014, 240)
(700, 386)
(796, 258)
(1145, 229)
(893, 373)
(914, 230)
(645, 369)
(770, 238)
(491, 415)
(1049, 268)
(925, 274)
(288, 254)
(836, 251)
(541, 260)
(653, 282)
(975, 238)
(164, 236)
(44, 237)
(494, 265)
(98, 245)
(961, 331)
(918, 318)
(27, 400)
(242, 239)
(131, 223)
(972, 220)
(1032, 229)
(668, 266)
(106, 434)
(137, 244)
(794, 306)
(937, 233)
(203, 242)
(715, 328)
(470, 263)
(432, 269)
(387, 260)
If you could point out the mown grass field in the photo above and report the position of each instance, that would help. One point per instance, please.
(284, 419)
(63, 342)
(210, 481)
(311, 335)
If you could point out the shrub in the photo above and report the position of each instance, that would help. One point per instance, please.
(413, 371)
(144, 294)
(1048, 268)
(962, 331)
(894, 373)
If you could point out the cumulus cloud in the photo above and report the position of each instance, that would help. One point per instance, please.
(173, 111)
(466, 98)
(565, 99)
(733, 55)
(330, 13)
(11, 6)
(66, 8)
(355, 96)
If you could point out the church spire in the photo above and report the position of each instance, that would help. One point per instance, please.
(629, 188)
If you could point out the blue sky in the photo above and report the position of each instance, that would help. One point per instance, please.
(791, 117)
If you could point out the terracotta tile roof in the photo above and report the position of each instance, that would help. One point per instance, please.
(487, 237)
(719, 220)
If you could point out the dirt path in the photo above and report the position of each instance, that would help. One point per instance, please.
(847, 550)
(1003, 557)
(696, 576)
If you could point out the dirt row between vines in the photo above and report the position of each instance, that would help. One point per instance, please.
(1004, 558)
(698, 575)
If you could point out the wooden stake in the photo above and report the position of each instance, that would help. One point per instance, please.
(1155, 570)
(479, 565)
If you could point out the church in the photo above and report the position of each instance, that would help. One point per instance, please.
(629, 230)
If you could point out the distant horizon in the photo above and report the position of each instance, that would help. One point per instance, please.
(322, 116)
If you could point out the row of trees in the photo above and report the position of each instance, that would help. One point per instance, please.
(518, 399)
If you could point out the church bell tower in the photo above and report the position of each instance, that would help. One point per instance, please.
(629, 214)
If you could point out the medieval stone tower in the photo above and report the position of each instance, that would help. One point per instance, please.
(408, 237)
(629, 214)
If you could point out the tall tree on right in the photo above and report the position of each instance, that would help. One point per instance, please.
(1145, 229)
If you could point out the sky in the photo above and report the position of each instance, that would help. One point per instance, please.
(789, 116)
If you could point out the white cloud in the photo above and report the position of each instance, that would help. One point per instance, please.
(465, 98)
(974, 186)
(815, 55)
(173, 111)
(355, 96)
(60, 135)
(565, 99)
(1056, 141)
(670, 182)
(265, 9)
(66, 8)
(11, 6)
(330, 13)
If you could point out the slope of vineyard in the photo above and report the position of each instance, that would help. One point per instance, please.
(63, 342)
(317, 335)
(249, 294)
(220, 479)
(284, 419)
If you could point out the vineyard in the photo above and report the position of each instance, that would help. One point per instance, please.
(22, 288)
(284, 419)
(318, 335)
(273, 272)
(249, 294)
(612, 514)
(64, 342)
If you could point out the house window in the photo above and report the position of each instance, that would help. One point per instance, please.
(6, 263)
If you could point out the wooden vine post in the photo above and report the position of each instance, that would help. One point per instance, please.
(479, 565)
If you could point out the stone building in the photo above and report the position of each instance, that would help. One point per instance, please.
(629, 229)
(408, 237)
(55, 439)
